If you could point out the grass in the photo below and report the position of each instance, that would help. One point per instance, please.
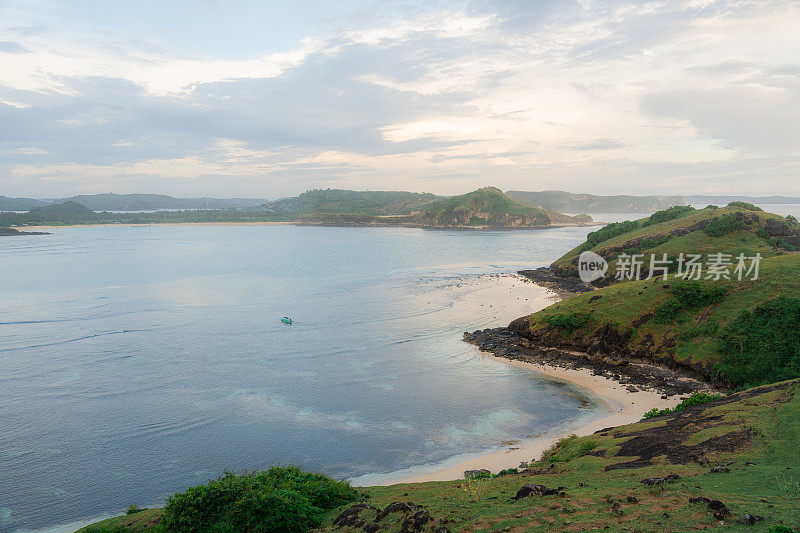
(689, 332)
(685, 235)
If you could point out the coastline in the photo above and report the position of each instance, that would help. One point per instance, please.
(622, 407)
(624, 392)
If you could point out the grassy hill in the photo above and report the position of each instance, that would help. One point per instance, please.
(491, 207)
(567, 202)
(654, 475)
(338, 201)
(734, 229)
(734, 332)
(19, 204)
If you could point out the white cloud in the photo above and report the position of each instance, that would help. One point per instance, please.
(650, 95)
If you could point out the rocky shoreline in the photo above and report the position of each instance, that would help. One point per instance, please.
(636, 376)
(545, 277)
(11, 232)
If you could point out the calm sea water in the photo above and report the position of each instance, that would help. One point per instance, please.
(137, 361)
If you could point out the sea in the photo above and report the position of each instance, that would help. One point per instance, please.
(136, 361)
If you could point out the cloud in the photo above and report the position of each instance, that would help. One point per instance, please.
(590, 96)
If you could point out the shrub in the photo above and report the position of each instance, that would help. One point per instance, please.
(676, 211)
(763, 345)
(723, 225)
(279, 499)
(507, 472)
(695, 399)
(777, 242)
(712, 206)
(568, 322)
(567, 449)
(763, 233)
(608, 232)
(745, 205)
(133, 509)
(791, 220)
(688, 295)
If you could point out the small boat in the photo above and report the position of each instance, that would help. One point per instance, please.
(286, 320)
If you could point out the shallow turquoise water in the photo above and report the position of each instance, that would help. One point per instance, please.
(136, 361)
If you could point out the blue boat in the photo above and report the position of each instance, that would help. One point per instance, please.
(286, 320)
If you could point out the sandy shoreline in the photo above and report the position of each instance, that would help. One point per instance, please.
(624, 408)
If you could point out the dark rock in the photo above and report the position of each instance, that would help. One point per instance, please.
(632, 499)
(699, 499)
(350, 516)
(371, 527)
(416, 522)
(539, 490)
(395, 507)
(749, 463)
(595, 298)
(653, 481)
(720, 469)
(672, 477)
(751, 519)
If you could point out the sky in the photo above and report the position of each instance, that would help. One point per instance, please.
(269, 99)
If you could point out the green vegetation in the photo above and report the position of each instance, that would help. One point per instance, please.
(737, 230)
(568, 322)
(672, 213)
(745, 205)
(723, 225)
(281, 499)
(597, 480)
(567, 202)
(689, 295)
(567, 449)
(763, 344)
(609, 232)
(490, 207)
(695, 399)
(337, 201)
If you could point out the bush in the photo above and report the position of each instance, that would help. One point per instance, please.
(763, 233)
(133, 509)
(791, 220)
(676, 211)
(567, 449)
(507, 472)
(745, 205)
(609, 232)
(568, 322)
(777, 242)
(279, 499)
(695, 399)
(688, 295)
(712, 206)
(723, 225)
(763, 345)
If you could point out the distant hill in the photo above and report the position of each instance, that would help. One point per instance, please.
(152, 202)
(490, 207)
(567, 202)
(354, 202)
(724, 200)
(68, 212)
(19, 204)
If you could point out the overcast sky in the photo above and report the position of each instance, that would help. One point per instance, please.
(268, 99)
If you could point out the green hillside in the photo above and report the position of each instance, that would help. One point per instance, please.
(734, 229)
(19, 204)
(489, 206)
(354, 202)
(730, 462)
(567, 202)
(735, 332)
